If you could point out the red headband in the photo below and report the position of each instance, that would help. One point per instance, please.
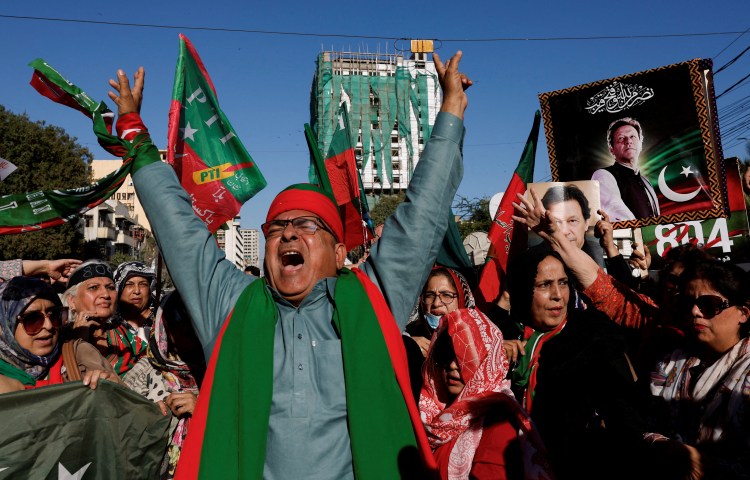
(311, 201)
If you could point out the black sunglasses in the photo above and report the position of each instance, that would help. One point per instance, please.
(709, 305)
(33, 321)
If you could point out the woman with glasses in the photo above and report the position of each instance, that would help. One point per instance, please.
(475, 427)
(445, 291)
(31, 351)
(701, 393)
(440, 295)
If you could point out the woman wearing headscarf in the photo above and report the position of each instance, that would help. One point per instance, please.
(474, 425)
(171, 373)
(131, 325)
(445, 291)
(31, 350)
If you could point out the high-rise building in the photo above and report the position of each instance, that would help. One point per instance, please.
(392, 103)
(250, 246)
(230, 241)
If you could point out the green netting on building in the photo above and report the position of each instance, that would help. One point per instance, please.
(378, 104)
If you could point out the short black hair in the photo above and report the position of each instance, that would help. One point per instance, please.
(563, 193)
(621, 122)
(253, 270)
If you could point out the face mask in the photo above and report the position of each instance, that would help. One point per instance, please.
(432, 320)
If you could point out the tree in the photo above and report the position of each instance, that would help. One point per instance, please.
(385, 206)
(474, 215)
(47, 158)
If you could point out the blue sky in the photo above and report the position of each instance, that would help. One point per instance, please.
(263, 81)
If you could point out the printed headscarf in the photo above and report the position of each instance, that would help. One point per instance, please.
(127, 270)
(478, 346)
(15, 296)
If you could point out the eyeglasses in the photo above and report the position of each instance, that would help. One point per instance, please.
(445, 297)
(33, 321)
(302, 225)
(709, 305)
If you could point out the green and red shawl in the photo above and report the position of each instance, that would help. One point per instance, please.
(227, 437)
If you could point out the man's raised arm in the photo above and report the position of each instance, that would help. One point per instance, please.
(401, 259)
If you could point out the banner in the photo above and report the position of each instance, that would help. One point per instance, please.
(651, 139)
(210, 160)
(6, 168)
(69, 431)
(728, 239)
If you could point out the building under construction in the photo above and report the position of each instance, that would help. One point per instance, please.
(392, 103)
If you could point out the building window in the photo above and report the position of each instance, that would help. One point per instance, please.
(396, 179)
(394, 152)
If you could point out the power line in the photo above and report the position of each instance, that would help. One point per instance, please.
(732, 42)
(730, 62)
(346, 35)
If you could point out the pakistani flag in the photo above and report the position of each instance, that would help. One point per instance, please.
(211, 162)
(69, 432)
(503, 232)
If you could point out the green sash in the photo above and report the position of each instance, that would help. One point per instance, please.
(234, 442)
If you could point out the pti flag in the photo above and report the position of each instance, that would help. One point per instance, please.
(203, 148)
(503, 233)
(71, 432)
(31, 211)
(339, 175)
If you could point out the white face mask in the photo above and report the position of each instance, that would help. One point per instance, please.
(432, 320)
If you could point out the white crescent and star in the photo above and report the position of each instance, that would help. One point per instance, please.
(671, 194)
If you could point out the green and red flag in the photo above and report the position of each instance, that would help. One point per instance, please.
(210, 160)
(32, 211)
(339, 175)
(69, 431)
(504, 234)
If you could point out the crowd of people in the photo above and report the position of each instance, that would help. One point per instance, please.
(388, 369)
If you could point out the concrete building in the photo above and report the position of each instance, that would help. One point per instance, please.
(251, 246)
(230, 240)
(392, 103)
(113, 228)
(126, 193)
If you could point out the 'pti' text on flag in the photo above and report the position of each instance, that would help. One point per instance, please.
(210, 160)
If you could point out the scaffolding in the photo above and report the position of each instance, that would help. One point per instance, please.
(392, 105)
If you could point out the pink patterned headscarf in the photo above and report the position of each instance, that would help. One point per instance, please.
(478, 345)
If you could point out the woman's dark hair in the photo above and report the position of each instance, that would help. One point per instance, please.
(729, 280)
(522, 272)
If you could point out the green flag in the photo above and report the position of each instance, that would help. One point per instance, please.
(213, 165)
(69, 431)
(31, 211)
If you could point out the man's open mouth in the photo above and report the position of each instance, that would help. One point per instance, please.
(291, 259)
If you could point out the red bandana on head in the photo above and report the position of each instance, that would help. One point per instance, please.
(306, 196)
